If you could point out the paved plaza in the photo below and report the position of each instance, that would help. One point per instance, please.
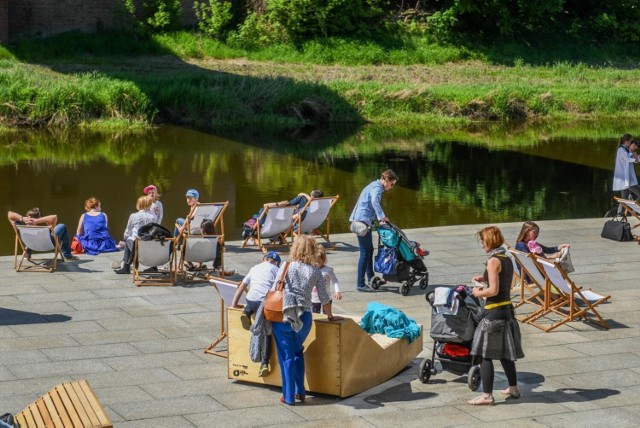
(141, 348)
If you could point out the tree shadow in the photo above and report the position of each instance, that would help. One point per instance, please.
(14, 317)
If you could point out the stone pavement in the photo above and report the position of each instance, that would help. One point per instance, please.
(142, 348)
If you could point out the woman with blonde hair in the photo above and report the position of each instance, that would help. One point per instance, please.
(93, 230)
(300, 278)
(497, 335)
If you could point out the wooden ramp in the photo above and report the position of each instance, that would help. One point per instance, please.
(340, 357)
(68, 405)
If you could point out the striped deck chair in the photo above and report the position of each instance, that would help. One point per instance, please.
(532, 283)
(631, 207)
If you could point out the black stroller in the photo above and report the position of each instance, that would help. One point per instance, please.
(452, 335)
(399, 260)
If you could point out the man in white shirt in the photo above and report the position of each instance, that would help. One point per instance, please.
(259, 280)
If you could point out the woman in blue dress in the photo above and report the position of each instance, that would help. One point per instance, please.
(93, 232)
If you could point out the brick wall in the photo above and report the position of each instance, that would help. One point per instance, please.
(48, 17)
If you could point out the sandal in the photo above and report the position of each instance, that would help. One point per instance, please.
(482, 400)
(300, 397)
(511, 392)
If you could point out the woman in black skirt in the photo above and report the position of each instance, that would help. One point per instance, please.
(498, 334)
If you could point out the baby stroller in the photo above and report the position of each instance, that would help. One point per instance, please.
(399, 260)
(452, 334)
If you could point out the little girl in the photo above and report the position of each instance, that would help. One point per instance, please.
(329, 278)
(156, 207)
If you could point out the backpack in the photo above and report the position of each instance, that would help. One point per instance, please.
(248, 227)
(153, 231)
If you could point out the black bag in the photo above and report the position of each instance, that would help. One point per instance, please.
(153, 231)
(617, 230)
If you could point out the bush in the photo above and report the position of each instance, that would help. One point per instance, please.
(214, 17)
(155, 15)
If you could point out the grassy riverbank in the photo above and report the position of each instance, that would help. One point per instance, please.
(185, 79)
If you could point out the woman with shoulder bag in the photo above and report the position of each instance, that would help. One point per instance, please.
(300, 279)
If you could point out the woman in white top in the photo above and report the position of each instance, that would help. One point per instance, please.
(624, 175)
(136, 221)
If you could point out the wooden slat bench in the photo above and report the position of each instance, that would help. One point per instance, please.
(68, 405)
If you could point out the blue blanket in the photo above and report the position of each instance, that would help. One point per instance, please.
(393, 322)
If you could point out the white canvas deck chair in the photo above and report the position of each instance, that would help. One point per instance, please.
(198, 249)
(226, 289)
(37, 239)
(274, 224)
(316, 212)
(532, 283)
(565, 303)
(154, 253)
(631, 207)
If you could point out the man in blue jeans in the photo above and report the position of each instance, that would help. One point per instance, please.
(34, 218)
(366, 211)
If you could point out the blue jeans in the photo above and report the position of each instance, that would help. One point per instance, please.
(63, 238)
(251, 308)
(365, 262)
(291, 356)
(179, 222)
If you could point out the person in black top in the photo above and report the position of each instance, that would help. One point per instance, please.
(497, 336)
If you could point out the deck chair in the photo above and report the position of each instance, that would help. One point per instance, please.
(532, 283)
(631, 207)
(566, 303)
(274, 224)
(153, 253)
(70, 404)
(199, 250)
(226, 289)
(316, 212)
(37, 239)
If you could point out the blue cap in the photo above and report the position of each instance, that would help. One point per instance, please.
(193, 193)
(273, 256)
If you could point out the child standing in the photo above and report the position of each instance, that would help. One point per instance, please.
(329, 279)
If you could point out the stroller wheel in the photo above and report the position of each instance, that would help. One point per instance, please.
(376, 282)
(404, 288)
(473, 378)
(424, 282)
(425, 370)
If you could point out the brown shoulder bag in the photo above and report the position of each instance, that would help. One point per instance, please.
(274, 299)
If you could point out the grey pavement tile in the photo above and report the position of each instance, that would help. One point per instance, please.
(131, 323)
(533, 352)
(220, 389)
(36, 342)
(57, 328)
(353, 422)
(173, 421)
(98, 314)
(96, 303)
(17, 288)
(582, 399)
(131, 377)
(40, 308)
(273, 415)
(31, 387)
(601, 362)
(632, 409)
(90, 352)
(606, 347)
(120, 394)
(5, 374)
(418, 417)
(166, 359)
(609, 379)
(68, 296)
(172, 309)
(103, 337)
(176, 406)
(169, 345)
(59, 368)
(32, 356)
(215, 368)
(613, 417)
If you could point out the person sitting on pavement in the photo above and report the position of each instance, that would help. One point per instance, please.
(136, 220)
(259, 280)
(34, 218)
(93, 229)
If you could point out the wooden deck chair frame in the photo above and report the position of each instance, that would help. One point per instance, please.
(140, 258)
(46, 242)
(532, 291)
(206, 250)
(70, 404)
(631, 207)
(281, 218)
(565, 303)
(227, 290)
(318, 212)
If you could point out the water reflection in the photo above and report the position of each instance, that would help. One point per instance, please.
(441, 182)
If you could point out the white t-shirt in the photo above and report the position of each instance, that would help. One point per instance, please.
(260, 279)
(330, 279)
